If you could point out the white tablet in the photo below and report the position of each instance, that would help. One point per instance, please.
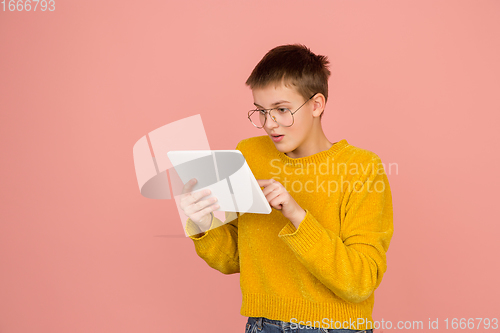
(227, 175)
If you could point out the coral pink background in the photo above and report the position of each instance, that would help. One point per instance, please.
(81, 250)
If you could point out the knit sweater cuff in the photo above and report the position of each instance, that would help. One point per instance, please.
(302, 239)
(192, 229)
(213, 241)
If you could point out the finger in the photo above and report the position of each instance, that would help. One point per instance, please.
(265, 182)
(278, 201)
(200, 205)
(192, 197)
(199, 215)
(189, 185)
(270, 188)
(273, 194)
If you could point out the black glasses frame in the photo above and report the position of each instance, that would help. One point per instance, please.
(251, 112)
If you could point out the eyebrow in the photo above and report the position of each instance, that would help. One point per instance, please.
(274, 104)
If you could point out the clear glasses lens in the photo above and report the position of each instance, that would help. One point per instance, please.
(283, 116)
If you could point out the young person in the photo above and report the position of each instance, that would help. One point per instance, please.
(314, 263)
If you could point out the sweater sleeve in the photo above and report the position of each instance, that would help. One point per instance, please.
(350, 265)
(219, 245)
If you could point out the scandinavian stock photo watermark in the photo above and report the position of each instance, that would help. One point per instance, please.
(331, 177)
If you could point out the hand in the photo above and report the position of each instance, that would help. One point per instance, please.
(199, 211)
(279, 198)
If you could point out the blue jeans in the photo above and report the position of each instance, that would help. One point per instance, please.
(264, 325)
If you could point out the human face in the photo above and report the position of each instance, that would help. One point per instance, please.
(292, 138)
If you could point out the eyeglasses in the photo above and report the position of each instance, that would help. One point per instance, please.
(283, 117)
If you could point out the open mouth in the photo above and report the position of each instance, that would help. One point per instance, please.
(277, 137)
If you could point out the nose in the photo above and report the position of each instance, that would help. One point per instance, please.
(270, 123)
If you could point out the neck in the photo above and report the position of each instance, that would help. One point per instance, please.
(312, 144)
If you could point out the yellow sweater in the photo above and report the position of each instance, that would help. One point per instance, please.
(324, 273)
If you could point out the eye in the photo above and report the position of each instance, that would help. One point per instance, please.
(261, 111)
(282, 110)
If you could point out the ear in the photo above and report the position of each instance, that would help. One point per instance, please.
(318, 102)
